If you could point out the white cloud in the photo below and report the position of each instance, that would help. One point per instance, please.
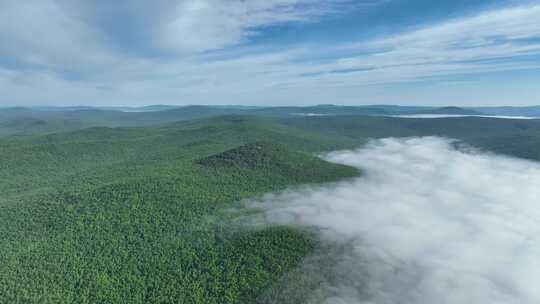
(202, 25)
(466, 45)
(77, 40)
(76, 45)
(41, 35)
(60, 34)
(451, 48)
(429, 224)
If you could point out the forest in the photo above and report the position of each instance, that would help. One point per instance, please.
(143, 214)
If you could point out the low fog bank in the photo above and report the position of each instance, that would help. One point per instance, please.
(426, 223)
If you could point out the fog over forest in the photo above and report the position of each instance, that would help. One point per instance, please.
(428, 223)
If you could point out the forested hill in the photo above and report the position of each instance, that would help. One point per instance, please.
(513, 137)
(139, 215)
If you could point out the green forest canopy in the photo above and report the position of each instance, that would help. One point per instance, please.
(139, 215)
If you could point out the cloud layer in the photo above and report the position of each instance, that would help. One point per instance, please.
(428, 224)
(198, 51)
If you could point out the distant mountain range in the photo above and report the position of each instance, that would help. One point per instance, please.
(324, 109)
(452, 111)
(532, 111)
(36, 120)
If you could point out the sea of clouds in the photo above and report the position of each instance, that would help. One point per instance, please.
(427, 223)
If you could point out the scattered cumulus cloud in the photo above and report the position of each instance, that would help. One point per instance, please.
(428, 224)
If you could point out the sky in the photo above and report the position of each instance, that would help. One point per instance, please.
(269, 52)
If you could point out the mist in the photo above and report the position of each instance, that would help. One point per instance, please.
(426, 223)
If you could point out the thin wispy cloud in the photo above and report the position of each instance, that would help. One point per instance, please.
(468, 45)
(208, 25)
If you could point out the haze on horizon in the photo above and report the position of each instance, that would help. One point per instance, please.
(269, 52)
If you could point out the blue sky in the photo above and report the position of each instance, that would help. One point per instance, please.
(269, 52)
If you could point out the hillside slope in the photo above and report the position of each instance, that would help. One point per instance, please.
(22, 121)
(514, 137)
(450, 111)
(139, 215)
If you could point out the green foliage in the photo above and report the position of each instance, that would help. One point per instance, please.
(268, 157)
(139, 215)
(517, 137)
(26, 121)
(136, 216)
